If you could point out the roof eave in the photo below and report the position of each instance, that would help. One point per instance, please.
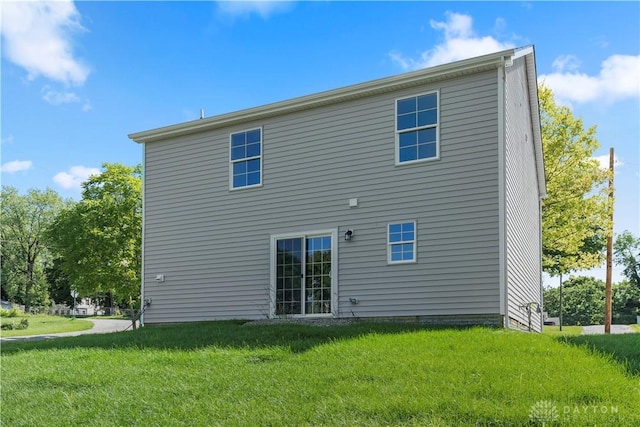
(405, 80)
(534, 107)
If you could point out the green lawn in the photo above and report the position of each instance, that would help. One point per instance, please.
(624, 348)
(229, 374)
(566, 330)
(40, 325)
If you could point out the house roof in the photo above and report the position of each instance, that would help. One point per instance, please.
(373, 87)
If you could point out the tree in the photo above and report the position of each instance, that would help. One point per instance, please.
(99, 238)
(583, 301)
(575, 219)
(626, 252)
(59, 286)
(625, 304)
(24, 255)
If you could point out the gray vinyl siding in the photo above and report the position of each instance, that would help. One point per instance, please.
(213, 245)
(522, 200)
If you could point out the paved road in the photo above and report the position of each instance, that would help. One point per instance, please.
(100, 326)
(615, 329)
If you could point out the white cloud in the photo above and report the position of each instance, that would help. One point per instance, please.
(619, 79)
(54, 97)
(604, 161)
(16, 166)
(75, 177)
(460, 42)
(36, 37)
(566, 62)
(245, 8)
(7, 140)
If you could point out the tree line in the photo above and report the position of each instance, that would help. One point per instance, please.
(93, 246)
(51, 246)
(583, 300)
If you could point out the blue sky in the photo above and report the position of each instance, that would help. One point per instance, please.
(78, 77)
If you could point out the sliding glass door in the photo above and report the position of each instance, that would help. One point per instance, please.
(303, 275)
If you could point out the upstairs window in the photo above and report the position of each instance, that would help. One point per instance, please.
(402, 242)
(246, 159)
(417, 128)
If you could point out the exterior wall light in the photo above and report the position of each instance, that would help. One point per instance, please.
(348, 235)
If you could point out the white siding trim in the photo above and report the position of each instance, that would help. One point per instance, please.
(502, 199)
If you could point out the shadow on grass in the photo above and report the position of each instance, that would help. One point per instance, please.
(623, 348)
(224, 334)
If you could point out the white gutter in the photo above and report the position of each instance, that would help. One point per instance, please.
(387, 84)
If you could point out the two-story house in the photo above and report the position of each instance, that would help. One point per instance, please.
(415, 196)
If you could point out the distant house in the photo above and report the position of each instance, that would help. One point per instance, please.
(415, 196)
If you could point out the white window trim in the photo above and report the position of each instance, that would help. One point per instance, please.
(261, 157)
(334, 271)
(436, 126)
(415, 243)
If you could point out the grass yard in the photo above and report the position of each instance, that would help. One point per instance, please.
(566, 330)
(40, 324)
(229, 374)
(624, 348)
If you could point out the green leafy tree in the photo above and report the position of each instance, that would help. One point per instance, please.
(626, 250)
(625, 305)
(99, 238)
(583, 301)
(59, 286)
(25, 218)
(575, 220)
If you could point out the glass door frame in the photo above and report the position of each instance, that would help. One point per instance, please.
(333, 233)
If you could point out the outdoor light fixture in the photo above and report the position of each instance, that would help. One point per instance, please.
(348, 235)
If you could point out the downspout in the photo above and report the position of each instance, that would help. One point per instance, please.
(502, 200)
(541, 296)
(143, 304)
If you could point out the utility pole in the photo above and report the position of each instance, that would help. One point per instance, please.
(607, 303)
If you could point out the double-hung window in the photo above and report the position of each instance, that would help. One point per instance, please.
(401, 242)
(246, 159)
(417, 128)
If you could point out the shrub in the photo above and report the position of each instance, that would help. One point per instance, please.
(14, 312)
(7, 326)
(24, 324)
